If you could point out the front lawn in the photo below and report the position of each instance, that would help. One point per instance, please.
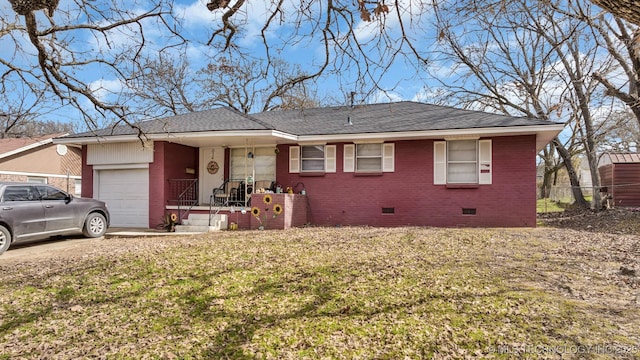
(366, 293)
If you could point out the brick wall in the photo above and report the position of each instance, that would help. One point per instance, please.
(59, 182)
(350, 199)
(87, 175)
(294, 212)
(170, 162)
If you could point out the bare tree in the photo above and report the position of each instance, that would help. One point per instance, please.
(249, 85)
(624, 135)
(621, 41)
(525, 58)
(355, 42)
(55, 48)
(165, 86)
(16, 111)
(626, 9)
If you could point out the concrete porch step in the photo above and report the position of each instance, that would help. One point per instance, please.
(195, 228)
(200, 223)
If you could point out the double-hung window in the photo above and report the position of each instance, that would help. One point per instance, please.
(369, 158)
(312, 159)
(462, 162)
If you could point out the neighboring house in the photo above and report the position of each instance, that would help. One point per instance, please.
(39, 160)
(392, 164)
(620, 178)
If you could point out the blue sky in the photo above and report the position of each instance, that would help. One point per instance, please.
(400, 80)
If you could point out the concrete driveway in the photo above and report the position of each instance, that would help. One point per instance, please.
(47, 248)
(60, 246)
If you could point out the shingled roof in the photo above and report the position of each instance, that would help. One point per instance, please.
(387, 117)
(12, 146)
(361, 119)
(218, 119)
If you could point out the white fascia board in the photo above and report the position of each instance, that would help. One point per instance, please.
(545, 133)
(180, 135)
(207, 134)
(28, 147)
(95, 139)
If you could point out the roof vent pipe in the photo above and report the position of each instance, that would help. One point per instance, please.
(349, 122)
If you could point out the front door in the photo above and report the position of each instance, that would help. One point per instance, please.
(211, 170)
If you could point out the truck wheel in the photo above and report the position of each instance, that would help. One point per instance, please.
(5, 239)
(95, 225)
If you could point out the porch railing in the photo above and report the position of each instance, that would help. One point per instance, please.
(232, 193)
(184, 194)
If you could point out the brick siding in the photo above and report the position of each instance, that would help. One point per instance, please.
(350, 199)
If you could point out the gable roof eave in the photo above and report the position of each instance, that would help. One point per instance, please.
(31, 146)
(169, 136)
(544, 134)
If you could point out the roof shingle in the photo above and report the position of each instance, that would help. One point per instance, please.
(361, 119)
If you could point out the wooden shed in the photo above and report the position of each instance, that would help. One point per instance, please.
(620, 178)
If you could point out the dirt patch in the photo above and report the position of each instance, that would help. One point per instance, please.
(612, 221)
(456, 293)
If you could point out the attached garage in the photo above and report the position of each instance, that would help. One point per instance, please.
(126, 192)
(120, 173)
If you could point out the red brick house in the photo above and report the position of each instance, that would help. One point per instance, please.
(392, 164)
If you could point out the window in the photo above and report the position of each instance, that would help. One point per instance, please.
(369, 158)
(51, 193)
(36, 180)
(462, 162)
(263, 162)
(312, 158)
(18, 193)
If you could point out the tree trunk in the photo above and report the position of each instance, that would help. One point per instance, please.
(573, 175)
(626, 9)
(549, 171)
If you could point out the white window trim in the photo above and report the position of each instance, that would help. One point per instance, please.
(387, 158)
(483, 161)
(303, 159)
(330, 158)
(295, 159)
(349, 162)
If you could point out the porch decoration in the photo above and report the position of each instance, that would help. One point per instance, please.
(212, 167)
(264, 219)
(169, 222)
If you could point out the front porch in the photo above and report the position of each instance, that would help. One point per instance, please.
(270, 211)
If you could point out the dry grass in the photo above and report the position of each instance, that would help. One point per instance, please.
(330, 293)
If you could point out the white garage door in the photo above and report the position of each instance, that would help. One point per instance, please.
(126, 193)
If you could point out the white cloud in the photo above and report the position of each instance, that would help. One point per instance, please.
(384, 97)
(103, 88)
(411, 14)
